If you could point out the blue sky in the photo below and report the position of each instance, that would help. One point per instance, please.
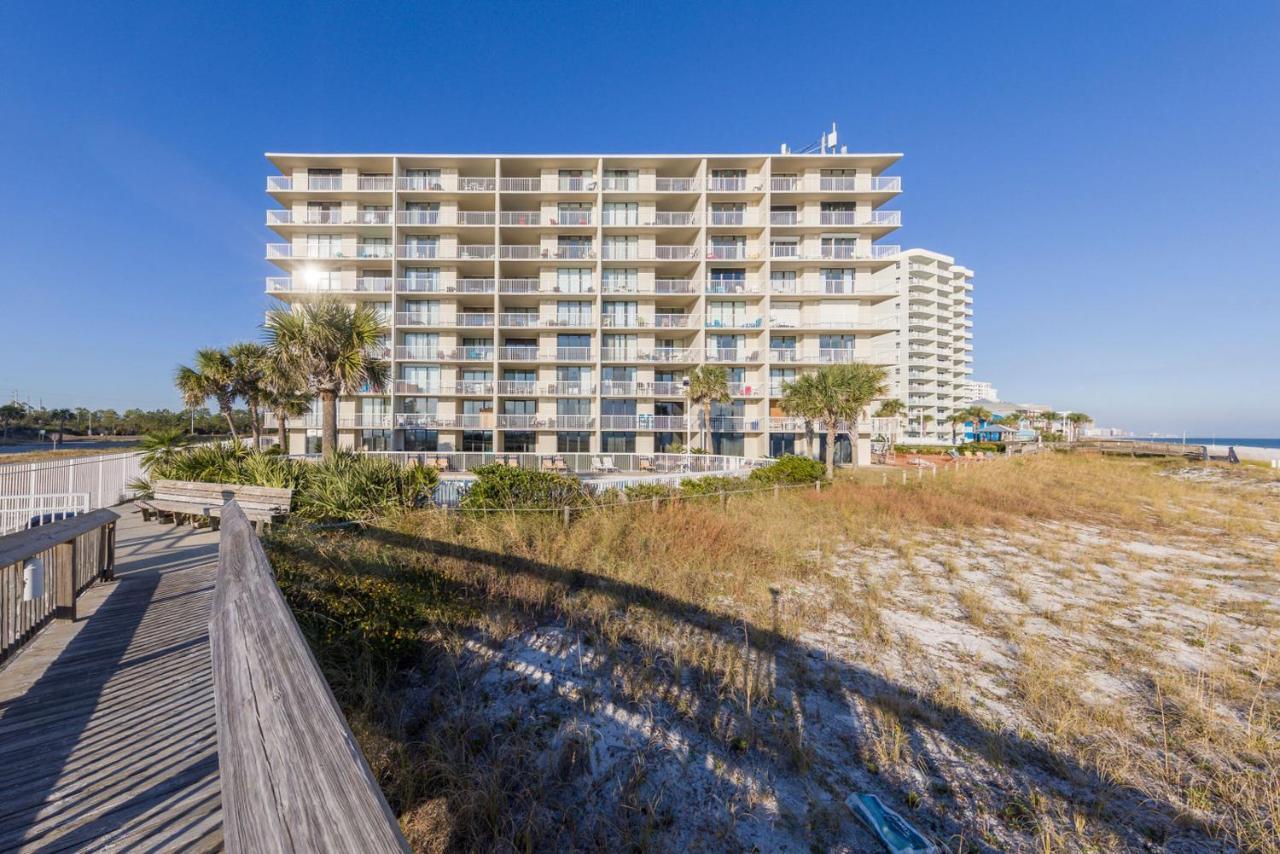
(1110, 170)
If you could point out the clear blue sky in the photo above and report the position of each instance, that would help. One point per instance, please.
(1110, 170)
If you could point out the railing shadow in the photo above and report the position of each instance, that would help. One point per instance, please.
(1133, 816)
(85, 751)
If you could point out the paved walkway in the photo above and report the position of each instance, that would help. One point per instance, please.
(107, 733)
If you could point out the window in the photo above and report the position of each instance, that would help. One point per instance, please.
(519, 441)
(421, 440)
(576, 180)
(622, 180)
(728, 444)
(726, 313)
(573, 280)
(621, 213)
(572, 213)
(617, 443)
(324, 246)
(375, 440)
(621, 313)
(781, 444)
(573, 313)
(574, 442)
(477, 441)
(622, 247)
(423, 179)
(839, 247)
(324, 179)
(313, 442)
(836, 281)
(621, 281)
(784, 314)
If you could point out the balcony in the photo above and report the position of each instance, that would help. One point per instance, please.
(734, 424)
(474, 388)
(722, 355)
(521, 422)
(421, 354)
(280, 251)
(835, 184)
(361, 284)
(731, 322)
(520, 388)
(745, 390)
(481, 353)
(732, 185)
(473, 319)
(553, 184)
(734, 286)
(364, 420)
(420, 318)
(742, 218)
(447, 184)
(658, 286)
(574, 422)
(677, 185)
(667, 389)
(405, 387)
(328, 217)
(786, 424)
(523, 252)
(569, 389)
(732, 253)
(621, 184)
(330, 183)
(673, 218)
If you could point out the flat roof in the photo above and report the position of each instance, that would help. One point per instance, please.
(282, 158)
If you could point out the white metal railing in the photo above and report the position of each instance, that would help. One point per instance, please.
(734, 322)
(104, 479)
(666, 388)
(726, 185)
(18, 512)
(671, 354)
(279, 183)
(421, 251)
(784, 217)
(675, 218)
(675, 253)
(745, 390)
(574, 422)
(324, 182)
(732, 354)
(404, 387)
(420, 318)
(677, 185)
(621, 184)
(734, 286)
(407, 217)
(473, 318)
(569, 389)
(476, 217)
(520, 422)
(378, 183)
(419, 353)
(520, 218)
(518, 387)
(731, 252)
(476, 251)
(519, 319)
(473, 387)
(366, 420)
(784, 250)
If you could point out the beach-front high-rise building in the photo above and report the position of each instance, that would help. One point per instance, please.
(556, 303)
(933, 339)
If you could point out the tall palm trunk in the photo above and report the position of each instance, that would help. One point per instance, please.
(706, 426)
(329, 422)
(255, 423)
(853, 441)
(282, 430)
(831, 449)
(231, 424)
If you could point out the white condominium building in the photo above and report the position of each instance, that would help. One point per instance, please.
(933, 338)
(556, 303)
(979, 390)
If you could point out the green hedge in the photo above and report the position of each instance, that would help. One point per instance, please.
(499, 487)
(789, 469)
(711, 485)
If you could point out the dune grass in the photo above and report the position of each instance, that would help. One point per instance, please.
(1060, 652)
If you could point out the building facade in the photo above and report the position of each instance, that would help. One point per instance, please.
(932, 312)
(556, 304)
(980, 390)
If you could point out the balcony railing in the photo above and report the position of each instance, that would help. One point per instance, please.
(420, 318)
(534, 252)
(836, 184)
(624, 184)
(521, 422)
(726, 185)
(366, 420)
(677, 185)
(549, 185)
(448, 184)
(745, 390)
(473, 387)
(732, 218)
(570, 389)
(422, 251)
(574, 422)
(473, 319)
(527, 388)
(677, 218)
(362, 284)
(405, 387)
(423, 218)
(324, 182)
(734, 286)
(731, 253)
(732, 354)
(734, 322)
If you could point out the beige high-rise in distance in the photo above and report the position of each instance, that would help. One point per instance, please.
(556, 303)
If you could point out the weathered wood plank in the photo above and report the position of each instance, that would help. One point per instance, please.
(19, 546)
(293, 777)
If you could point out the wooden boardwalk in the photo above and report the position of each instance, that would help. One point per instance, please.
(107, 732)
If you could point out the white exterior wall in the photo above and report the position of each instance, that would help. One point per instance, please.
(496, 246)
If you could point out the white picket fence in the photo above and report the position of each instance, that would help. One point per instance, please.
(76, 483)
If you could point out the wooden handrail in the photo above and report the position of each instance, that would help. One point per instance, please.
(65, 557)
(293, 777)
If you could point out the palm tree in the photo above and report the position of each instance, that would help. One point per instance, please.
(925, 421)
(61, 416)
(833, 395)
(286, 397)
(892, 408)
(1048, 417)
(248, 377)
(162, 446)
(708, 384)
(1077, 420)
(955, 419)
(212, 377)
(328, 346)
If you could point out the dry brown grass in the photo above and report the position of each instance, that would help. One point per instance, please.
(1037, 626)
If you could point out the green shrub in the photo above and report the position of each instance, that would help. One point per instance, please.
(711, 485)
(921, 449)
(787, 470)
(986, 447)
(356, 487)
(499, 487)
(648, 491)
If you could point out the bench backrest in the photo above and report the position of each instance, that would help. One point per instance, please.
(216, 494)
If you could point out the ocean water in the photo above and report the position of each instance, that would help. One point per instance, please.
(1222, 440)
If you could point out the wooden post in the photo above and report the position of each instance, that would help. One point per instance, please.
(566, 516)
(109, 567)
(817, 486)
(724, 500)
(64, 581)
(655, 504)
(777, 490)
(904, 477)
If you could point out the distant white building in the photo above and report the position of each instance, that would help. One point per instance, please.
(978, 390)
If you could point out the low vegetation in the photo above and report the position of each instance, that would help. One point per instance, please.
(1051, 652)
(343, 488)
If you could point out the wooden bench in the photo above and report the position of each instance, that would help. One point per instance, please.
(179, 500)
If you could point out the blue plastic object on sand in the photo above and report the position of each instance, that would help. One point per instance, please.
(892, 829)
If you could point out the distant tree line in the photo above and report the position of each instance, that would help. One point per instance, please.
(20, 421)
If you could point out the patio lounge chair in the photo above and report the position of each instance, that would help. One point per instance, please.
(608, 464)
(646, 464)
(547, 464)
(559, 465)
